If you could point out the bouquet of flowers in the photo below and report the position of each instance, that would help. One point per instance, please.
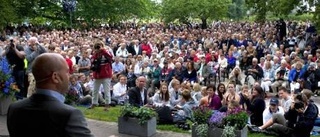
(72, 96)
(236, 118)
(8, 87)
(216, 119)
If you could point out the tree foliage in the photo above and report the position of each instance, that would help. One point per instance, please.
(7, 13)
(87, 10)
(185, 9)
(237, 9)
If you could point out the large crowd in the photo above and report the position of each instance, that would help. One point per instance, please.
(183, 66)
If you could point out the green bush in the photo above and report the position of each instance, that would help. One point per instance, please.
(143, 113)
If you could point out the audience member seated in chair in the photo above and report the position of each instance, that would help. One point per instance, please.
(295, 76)
(254, 73)
(281, 77)
(237, 77)
(311, 77)
(268, 77)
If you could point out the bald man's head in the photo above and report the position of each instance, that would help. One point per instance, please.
(50, 70)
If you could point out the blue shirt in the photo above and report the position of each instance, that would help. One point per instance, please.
(51, 93)
(118, 67)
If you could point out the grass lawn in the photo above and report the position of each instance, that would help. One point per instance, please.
(113, 113)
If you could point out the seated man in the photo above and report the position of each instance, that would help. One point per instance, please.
(76, 88)
(281, 77)
(138, 95)
(297, 122)
(120, 91)
(254, 72)
(273, 108)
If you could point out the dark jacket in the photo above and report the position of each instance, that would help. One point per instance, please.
(45, 116)
(178, 74)
(303, 125)
(135, 97)
(256, 76)
(256, 107)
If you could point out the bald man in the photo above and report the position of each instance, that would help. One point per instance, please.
(44, 114)
(32, 51)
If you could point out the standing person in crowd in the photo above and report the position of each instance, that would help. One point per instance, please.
(16, 55)
(45, 109)
(102, 73)
(32, 51)
(138, 96)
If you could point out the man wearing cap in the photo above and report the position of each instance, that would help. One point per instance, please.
(154, 75)
(272, 109)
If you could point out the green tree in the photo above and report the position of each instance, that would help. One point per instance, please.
(237, 9)
(7, 13)
(185, 9)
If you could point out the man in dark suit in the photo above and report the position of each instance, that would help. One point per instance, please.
(134, 48)
(44, 114)
(138, 95)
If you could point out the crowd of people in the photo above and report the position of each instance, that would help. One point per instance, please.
(183, 66)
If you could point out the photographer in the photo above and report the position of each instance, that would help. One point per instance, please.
(297, 122)
(33, 50)
(16, 55)
(102, 73)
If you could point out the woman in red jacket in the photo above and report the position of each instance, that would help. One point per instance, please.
(102, 73)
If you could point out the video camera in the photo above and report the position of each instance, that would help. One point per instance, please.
(11, 42)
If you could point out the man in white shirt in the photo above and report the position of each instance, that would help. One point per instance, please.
(120, 91)
(122, 51)
(285, 97)
(272, 109)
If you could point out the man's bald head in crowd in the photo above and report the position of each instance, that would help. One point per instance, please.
(49, 72)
